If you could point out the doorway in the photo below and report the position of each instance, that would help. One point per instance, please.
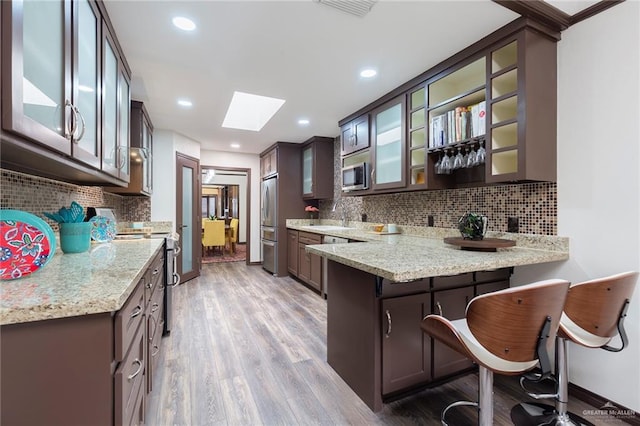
(188, 222)
(226, 194)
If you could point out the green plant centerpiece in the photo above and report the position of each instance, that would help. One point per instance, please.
(472, 226)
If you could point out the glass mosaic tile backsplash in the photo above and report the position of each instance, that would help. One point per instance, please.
(534, 204)
(36, 195)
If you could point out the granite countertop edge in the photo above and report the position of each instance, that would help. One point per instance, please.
(98, 281)
(420, 252)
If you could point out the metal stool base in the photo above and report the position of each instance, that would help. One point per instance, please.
(456, 404)
(535, 414)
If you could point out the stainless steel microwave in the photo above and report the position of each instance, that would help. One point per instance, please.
(355, 177)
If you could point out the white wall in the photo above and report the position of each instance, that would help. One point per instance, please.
(599, 181)
(165, 146)
(245, 161)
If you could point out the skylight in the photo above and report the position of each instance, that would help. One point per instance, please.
(250, 112)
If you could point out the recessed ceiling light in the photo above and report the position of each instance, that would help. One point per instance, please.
(185, 103)
(368, 73)
(250, 112)
(235, 145)
(303, 122)
(183, 23)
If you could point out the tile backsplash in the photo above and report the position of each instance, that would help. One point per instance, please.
(534, 204)
(36, 195)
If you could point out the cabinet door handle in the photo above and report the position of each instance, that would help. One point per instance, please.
(157, 350)
(138, 370)
(84, 126)
(388, 333)
(136, 311)
(73, 124)
(439, 306)
(155, 271)
(154, 307)
(150, 285)
(176, 279)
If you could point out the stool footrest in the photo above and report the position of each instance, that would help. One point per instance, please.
(453, 405)
(534, 414)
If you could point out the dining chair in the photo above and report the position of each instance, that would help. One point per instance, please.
(232, 236)
(213, 235)
(506, 332)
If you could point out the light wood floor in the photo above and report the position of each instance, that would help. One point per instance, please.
(250, 349)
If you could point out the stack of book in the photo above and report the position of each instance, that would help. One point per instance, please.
(457, 125)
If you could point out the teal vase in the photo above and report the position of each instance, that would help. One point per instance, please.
(75, 237)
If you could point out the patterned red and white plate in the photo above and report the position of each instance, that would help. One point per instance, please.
(27, 243)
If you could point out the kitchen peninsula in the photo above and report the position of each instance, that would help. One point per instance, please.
(380, 289)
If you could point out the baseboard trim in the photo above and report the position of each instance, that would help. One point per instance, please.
(625, 414)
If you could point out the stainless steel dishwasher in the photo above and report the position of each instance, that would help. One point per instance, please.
(329, 239)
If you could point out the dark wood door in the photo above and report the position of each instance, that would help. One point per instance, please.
(188, 221)
(315, 273)
(304, 263)
(406, 350)
(452, 305)
(292, 252)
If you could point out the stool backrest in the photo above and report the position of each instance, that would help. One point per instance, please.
(595, 305)
(508, 322)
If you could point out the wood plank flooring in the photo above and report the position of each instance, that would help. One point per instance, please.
(250, 349)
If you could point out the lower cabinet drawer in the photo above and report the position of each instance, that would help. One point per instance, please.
(129, 378)
(127, 321)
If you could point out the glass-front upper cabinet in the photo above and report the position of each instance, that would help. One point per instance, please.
(86, 60)
(307, 170)
(124, 113)
(116, 113)
(36, 96)
(112, 158)
(388, 132)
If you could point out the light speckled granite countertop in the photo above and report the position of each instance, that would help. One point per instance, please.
(420, 252)
(99, 280)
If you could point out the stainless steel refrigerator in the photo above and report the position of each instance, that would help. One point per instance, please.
(269, 224)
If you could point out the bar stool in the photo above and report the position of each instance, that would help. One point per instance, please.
(593, 315)
(505, 332)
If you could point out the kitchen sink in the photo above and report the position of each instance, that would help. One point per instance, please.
(326, 227)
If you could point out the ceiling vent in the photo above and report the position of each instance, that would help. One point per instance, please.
(354, 7)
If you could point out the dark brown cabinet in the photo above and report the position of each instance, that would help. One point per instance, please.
(388, 150)
(92, 369)
(61, 99)
(452, 305)
(406, 350)
(280, 199)
(292, 252)
(269, 163)
(307, 267)
(354, 135)
(317, 168)
(140, 154)
(497, 96)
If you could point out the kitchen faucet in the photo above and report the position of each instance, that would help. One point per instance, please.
(344, 213)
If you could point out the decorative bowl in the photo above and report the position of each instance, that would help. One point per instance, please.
(472, 226)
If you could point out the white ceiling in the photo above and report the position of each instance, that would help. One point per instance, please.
(304, 52)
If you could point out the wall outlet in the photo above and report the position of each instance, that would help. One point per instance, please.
(364, 217)
(513, 224)
(430, 220)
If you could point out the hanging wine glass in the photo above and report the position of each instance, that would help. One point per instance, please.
(457, 160)
(445, 165)
(481, 154)
(471, 158)
(438, 166)
(465, 159)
